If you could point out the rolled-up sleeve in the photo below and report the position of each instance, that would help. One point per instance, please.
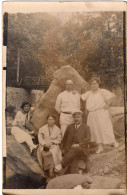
(85, 95)
(58, 104)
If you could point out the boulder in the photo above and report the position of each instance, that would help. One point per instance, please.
(97, 162)
(100, 182)
(119, 125)
(115, 111)
(21, 165)
(117, 116)
(46, 104)
(68, 181)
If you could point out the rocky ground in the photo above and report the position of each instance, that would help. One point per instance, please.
(24, 171)
(107, 170)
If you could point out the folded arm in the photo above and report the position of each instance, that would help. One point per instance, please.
(57, 140)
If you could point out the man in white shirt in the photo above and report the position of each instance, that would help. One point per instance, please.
(66, 102)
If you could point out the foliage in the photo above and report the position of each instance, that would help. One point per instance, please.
(90, 42)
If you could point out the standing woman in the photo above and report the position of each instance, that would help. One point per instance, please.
(99, 121)
(19, 129)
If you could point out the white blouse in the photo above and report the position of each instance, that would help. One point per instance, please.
(19, 118)
(96, 100)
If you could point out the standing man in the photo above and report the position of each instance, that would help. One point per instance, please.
(66, 102)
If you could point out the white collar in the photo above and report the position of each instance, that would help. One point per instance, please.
(77, 125)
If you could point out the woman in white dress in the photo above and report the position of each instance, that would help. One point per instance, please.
(99, 121)
(49, 138)
(19, 129)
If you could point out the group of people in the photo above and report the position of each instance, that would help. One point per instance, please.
(61, 146)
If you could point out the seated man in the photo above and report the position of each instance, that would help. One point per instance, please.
(75, 142)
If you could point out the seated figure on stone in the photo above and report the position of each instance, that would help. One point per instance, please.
(21, 128)
(49, 138)
(66, 102)
(75, 144)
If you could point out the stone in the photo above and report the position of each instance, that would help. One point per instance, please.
(16, 96)
(100, 182)
(98, 162)
(118, 125)
(46, 104)
(106, 169)
(117, 116)
(21, 165)
(115, 111)
(68, 181)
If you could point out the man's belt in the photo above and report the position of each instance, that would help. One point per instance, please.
(66, 112)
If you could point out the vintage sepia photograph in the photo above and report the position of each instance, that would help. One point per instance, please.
(64, 96)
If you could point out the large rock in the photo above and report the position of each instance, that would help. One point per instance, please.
(21, 165)
(72, 180)
(97, 162)
(100, 182)
(46, 104)
(68, 181)
(15, 97)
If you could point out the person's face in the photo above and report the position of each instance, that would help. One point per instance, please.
(51, 121)
(69, 86)
(94, 85)
(77, 118)
(26, 108)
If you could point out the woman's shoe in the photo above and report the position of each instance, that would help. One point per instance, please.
(100, 150)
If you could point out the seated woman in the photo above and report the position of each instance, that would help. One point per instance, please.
(49, 138)
(20, 130)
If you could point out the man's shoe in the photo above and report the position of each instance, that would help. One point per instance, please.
(58, 168)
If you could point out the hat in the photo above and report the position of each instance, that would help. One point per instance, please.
(77, 111)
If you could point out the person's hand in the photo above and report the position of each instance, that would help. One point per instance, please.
(106, 106)
(32, 132)
(48, 144)
(75, 145)
(74, 92)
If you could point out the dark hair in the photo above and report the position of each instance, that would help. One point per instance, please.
(25, 103)
(97, 79)
(51, 115)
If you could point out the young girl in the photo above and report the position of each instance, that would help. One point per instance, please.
(99, 121)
